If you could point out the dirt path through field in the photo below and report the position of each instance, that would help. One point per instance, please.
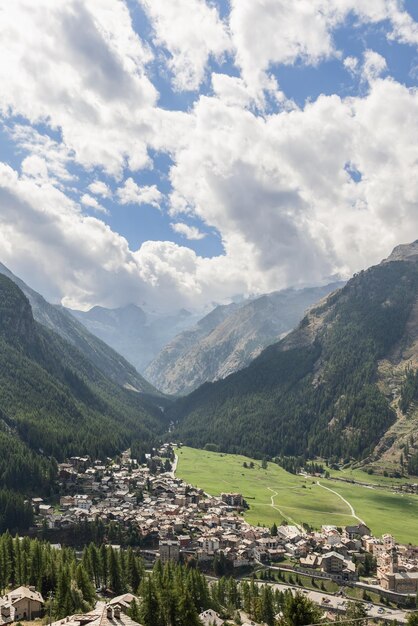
(274, 506)
(353, 513)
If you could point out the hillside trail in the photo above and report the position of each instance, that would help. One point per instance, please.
(353, 513)
(174, 466)
(274, 506)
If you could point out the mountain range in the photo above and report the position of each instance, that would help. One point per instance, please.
(341, 385)
(229, 338)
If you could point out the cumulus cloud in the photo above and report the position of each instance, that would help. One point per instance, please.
(351, 64)
(374, 65)
(190, 232)
(55, 156)
(131, 193)
(191, 31)
(89, 201)
(99, 188)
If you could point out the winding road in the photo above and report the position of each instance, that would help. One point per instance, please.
(353, 513)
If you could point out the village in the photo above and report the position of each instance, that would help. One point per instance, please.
(180, 523)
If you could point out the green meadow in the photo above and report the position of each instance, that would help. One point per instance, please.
(275, 495)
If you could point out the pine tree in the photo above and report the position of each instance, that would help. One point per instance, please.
(298, 610)
(134, 612)
(85, 585)
(149, 610)
(187, 613)
(115, 572)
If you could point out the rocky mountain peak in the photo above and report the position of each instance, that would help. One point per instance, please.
(404, 252)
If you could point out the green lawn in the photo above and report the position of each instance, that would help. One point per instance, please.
(296, 498)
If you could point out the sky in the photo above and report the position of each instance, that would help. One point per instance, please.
(181, 153)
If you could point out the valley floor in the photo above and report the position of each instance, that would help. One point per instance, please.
(274, 495)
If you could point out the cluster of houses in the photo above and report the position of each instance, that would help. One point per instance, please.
(177, 521)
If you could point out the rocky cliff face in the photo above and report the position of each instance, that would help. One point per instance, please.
(404, 252)
(229, 338)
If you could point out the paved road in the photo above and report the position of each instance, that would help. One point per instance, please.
(353, 513)
(339, 603)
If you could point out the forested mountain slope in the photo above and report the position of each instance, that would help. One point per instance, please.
(229, 338)
(317, 391)
(54, 402)
(62, 322)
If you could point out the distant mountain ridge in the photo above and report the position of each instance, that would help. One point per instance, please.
(132, 332)
(229, 338)
(58, 319)
(343, 384)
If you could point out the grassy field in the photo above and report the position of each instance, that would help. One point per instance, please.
(275, 495)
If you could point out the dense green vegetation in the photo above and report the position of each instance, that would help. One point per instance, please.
(15, 511)
(318, 395)
(54, 403)
(274, 495)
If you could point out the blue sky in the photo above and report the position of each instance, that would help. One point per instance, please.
(191, 113)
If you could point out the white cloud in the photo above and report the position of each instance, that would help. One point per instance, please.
(55, 156)
(231, 89)
(190, 232)
(35, 167)
(374, 65)
(191, 31)
(92, 203)
(99, 188)
(131, 193)
(351, 64)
